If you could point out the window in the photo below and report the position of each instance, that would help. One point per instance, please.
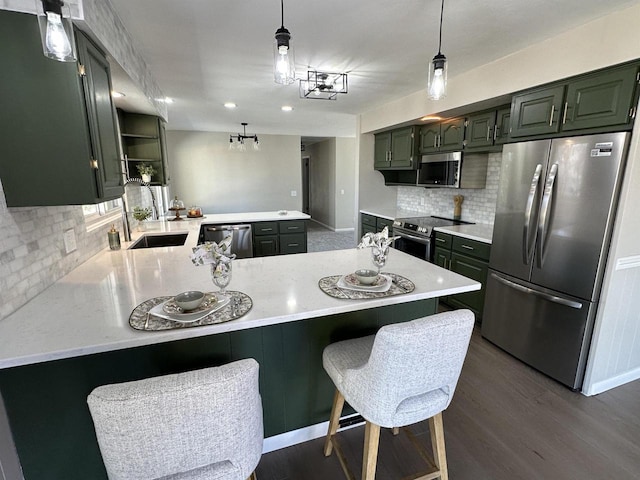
(101, 213)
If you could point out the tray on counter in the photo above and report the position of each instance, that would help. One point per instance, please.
(399, 286)
(141, 319)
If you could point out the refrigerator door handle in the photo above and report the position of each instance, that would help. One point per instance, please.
(527, 250)
(546, 296)
(543, 224)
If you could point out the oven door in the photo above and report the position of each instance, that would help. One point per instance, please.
(409, 242)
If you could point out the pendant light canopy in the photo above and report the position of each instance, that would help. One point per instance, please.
(284, 62)
(438, 69)
(56, 30)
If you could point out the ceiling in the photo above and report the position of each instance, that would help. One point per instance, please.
(204, 53)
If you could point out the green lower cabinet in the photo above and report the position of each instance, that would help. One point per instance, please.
(279, 237)
(476, 270)
(469, 258)
(46, 403)
(293, 243)
(442, 257)
(265, 245)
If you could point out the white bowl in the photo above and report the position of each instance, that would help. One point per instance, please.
(366, 276)
(189, 300)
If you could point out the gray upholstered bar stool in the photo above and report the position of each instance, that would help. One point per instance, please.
(203, 424)
(404, 374)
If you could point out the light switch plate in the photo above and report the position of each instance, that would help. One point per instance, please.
(294, 193)
(69, 241)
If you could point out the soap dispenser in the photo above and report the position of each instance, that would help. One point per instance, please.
(114, 238)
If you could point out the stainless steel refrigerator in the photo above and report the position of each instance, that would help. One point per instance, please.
(556, 206)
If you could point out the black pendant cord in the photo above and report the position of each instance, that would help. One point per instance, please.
(282, 11)
(440, 40)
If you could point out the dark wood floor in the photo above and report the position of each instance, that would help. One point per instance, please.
(506, 421)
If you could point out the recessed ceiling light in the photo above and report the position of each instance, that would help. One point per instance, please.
(230, 105)
(115, 94)
(165, 100)
(286, 108)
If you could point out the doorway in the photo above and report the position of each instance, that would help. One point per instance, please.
(305, 184)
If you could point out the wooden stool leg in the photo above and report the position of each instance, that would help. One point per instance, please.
(334, 421)
(395, 430)
(436, 430)
(370, 455)
(253, 476)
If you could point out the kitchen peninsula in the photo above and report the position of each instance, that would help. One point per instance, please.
(75, 336)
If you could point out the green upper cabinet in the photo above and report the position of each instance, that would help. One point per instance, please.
(396, 150)
(446, 136)
(480, 129)
(536, 112)
(60, 145)
(382, 150)
(503, 124)
(600, 99)
(143, 143)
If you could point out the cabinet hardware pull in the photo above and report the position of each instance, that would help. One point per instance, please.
(94, 163)
(488, 132)
(632, 113)
(442, 240)
(81, 70)
(435, 141)
(564, 113)
(467, 247)
(266, 229)
(553, 109)
(495, 132)
(293, 245)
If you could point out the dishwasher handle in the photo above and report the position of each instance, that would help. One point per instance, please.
(220, 228)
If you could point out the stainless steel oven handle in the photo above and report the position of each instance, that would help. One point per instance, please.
(422, 240)
(533, 190)
(546, 296)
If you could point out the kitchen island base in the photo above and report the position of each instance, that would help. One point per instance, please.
(50, 420)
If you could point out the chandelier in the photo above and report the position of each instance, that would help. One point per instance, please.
(236, 142)
(323, 85)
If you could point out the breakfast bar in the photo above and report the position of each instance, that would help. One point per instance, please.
(49, 362)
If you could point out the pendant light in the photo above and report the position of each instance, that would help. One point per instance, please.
(56, 30)
(284, 63)
(438, 69)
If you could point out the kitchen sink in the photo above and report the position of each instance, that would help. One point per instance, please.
(160, 240)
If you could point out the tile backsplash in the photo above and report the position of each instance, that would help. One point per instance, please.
(479, 205)
(32, 250)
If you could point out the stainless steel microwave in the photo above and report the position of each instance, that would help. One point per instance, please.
(450, 170)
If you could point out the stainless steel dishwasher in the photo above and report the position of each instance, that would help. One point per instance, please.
(241, 241)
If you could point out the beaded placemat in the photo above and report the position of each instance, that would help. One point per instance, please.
(141, 319)
(399, 286)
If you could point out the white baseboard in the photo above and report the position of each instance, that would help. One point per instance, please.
(301, 435)
(344, 229)
(608, 384)
(294, 437)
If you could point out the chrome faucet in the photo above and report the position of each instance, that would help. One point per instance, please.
(125, 218)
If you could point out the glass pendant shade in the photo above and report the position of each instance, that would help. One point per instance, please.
(437, 88)
(284, 62)
(56, 30)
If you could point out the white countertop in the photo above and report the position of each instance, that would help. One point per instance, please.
(87, 311)
(253, 217)
(477, 231)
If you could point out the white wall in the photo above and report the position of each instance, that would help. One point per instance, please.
(205, 172)
(345, 183)
(615, 353)
(606, 41)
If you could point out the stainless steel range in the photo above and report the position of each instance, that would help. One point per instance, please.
(417, 234)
